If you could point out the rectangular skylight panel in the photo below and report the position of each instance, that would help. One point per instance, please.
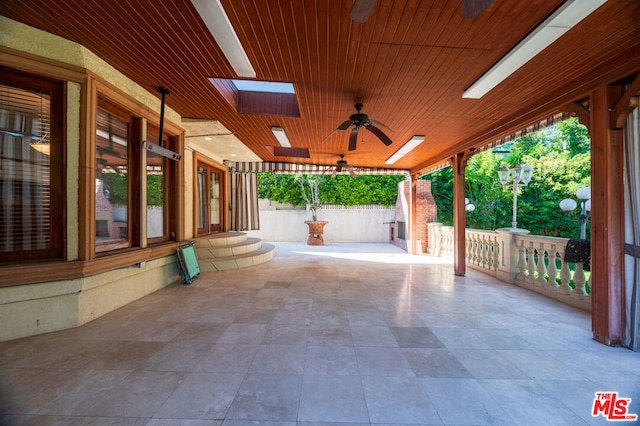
(263, 86)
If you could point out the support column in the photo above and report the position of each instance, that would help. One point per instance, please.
(459, 164)
(607, 219)
(413, 184)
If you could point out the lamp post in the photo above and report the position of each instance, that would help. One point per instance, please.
(521, 176)
(568, 205)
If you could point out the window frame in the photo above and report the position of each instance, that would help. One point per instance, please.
(169, 173)
(134, 161)
(57, 187)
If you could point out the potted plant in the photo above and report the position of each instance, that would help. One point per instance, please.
(310, 188)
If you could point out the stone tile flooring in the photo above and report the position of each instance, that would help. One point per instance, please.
(349, 334)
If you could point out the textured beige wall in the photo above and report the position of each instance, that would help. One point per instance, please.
(40, 308)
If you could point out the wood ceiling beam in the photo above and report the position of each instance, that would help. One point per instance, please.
(629, 100)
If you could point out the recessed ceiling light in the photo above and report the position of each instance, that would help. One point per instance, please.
(404, 150)
(278, 132)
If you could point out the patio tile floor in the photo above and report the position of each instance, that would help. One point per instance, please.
(349, 334)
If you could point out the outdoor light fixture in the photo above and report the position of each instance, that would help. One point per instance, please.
(562, 20)
(404, 150)
(217, 21)
(468, 205)
(278, 132)
(568, 205)
(521, 176)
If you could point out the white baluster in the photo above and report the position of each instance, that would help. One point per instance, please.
(552, 270)
(485, 252)
(474, 249)
(541, 267)
(579, 280)
(565, 277)
(531, 264)
(522, 253)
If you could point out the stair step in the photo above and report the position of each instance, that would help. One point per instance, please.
(221, 239)
(248, 245)
(264, 254)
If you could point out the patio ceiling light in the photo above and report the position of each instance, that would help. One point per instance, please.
(217, 21)
(562, 20)
(404, 150)
(279, 133)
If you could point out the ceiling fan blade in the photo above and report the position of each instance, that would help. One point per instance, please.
(384, 138)
(346, 124)
(379, 124)
(473, 8)
(353, 138)
(361, 10)
(329, 135)
(351, 172)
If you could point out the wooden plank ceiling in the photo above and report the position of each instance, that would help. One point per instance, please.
(408, 64)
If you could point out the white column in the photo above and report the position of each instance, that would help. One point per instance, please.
(508, 257)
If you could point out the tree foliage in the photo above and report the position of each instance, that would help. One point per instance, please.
(341, 190)
(561, 164)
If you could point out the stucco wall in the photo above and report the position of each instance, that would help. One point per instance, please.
(366, 224)
(40, 308)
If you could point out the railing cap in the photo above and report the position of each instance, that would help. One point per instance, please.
(514, 230)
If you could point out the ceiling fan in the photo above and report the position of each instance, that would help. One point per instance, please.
(340, 166)
(359, 120)
(361, 9)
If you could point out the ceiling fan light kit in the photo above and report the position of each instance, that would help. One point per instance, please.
(562, 20)
(405, 149)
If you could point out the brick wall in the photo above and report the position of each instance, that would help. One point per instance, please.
(426, 211)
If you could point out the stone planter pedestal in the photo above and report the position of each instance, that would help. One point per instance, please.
(316, 228)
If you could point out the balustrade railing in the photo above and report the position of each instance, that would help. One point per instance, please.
(534, 262)
(541, 264)
(482, 249)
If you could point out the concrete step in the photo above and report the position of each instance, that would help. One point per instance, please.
(263, 254)
(221, 239)
(218, 251)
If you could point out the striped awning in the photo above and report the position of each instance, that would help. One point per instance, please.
(306, 169)
(540, 125)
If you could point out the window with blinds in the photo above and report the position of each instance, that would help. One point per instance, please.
(28, 213)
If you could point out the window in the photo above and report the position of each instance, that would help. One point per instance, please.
(119, 177)
(160, 178)
(31, 172)
(116, 169)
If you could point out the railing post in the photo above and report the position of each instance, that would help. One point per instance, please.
(508, 257)
(433, 238)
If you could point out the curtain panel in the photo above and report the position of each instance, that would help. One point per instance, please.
(244, 202)
(632, 228)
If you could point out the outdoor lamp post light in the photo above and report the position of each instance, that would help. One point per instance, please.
(468, 205)
(568, 205)
(521, 176)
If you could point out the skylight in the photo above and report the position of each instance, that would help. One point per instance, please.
(263, 86)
